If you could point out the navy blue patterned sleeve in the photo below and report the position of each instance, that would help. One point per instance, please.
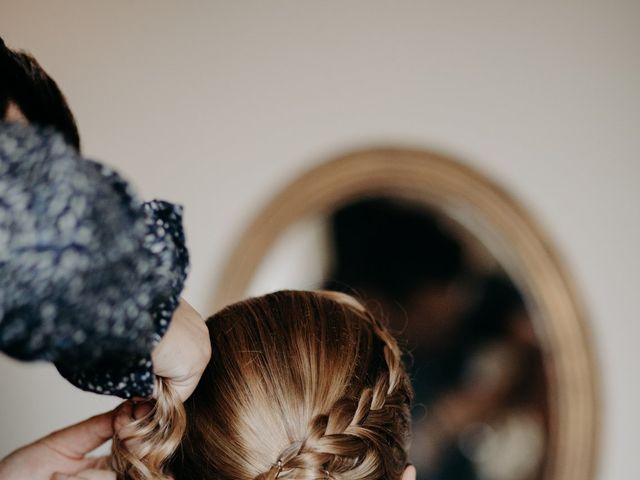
(89, 274)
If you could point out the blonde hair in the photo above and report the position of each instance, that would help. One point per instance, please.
(141, 450)
(301, 385)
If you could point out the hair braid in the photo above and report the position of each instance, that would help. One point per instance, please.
(354, 437)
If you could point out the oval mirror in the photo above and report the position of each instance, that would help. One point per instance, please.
(500, 357)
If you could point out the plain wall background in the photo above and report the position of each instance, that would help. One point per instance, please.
(216, 105)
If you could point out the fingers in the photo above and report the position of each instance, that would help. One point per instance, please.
(184, 352)
(79, 439)
(90, 474)
(127, 422)
(127, 413)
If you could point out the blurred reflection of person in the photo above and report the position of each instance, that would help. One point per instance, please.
(492, 424)
(476, 365)
(402, 257)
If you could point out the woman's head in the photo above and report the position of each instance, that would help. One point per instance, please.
(29, 95)
(301, 385)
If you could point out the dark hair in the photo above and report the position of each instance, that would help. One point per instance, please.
(391, 247)
(24, 82)
(490, 318)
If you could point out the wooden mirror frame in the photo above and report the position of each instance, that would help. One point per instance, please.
(512, 236)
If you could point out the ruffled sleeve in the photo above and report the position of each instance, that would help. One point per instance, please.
(89, 274)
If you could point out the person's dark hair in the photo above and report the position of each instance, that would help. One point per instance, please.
(391, 247)
(24, 82)
(498, 300)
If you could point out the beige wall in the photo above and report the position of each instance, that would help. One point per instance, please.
(217, 104)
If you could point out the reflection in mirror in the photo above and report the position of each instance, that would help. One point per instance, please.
(476, 363)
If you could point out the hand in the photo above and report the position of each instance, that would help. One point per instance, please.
(184, 351)
(63, 454)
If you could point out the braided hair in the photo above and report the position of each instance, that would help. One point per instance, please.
(301, 385)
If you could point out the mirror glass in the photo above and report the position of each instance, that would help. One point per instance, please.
(481, 391)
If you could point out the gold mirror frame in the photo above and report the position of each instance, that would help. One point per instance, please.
(503, 225)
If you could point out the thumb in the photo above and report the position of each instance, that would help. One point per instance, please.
(79, 439)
